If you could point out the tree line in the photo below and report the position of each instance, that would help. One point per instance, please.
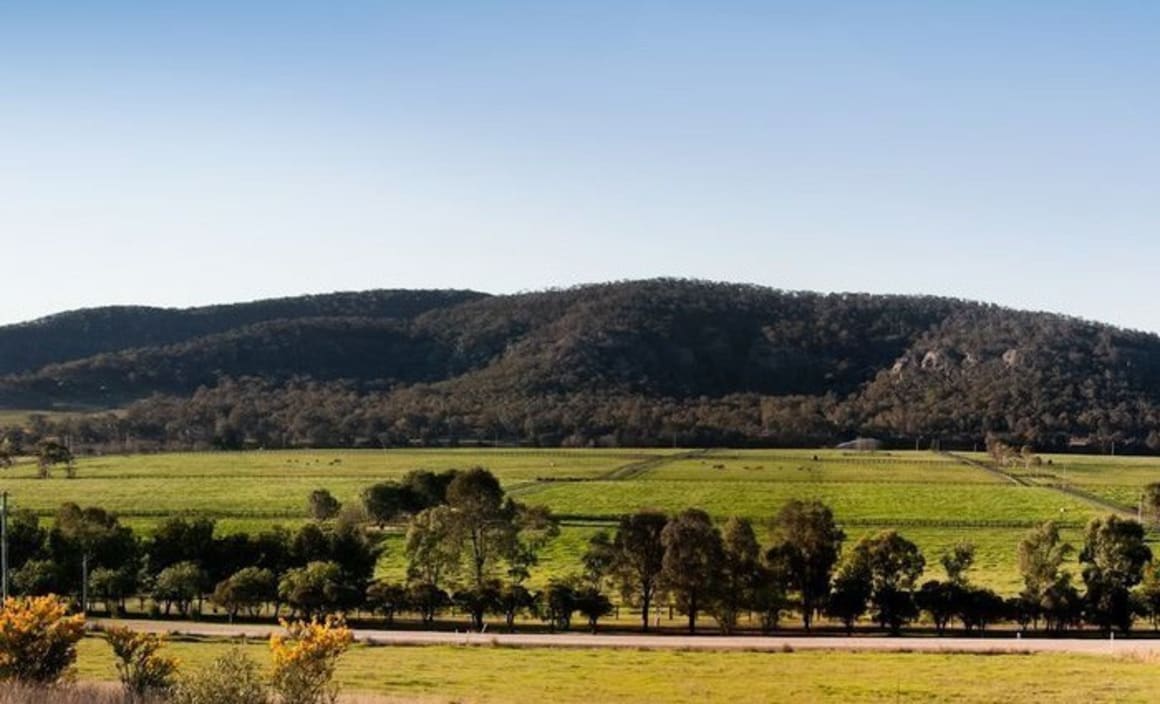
(471, 548)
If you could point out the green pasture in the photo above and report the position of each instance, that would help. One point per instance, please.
(508, 465)
(802, 467)
(932, 499)
(879, 504)
(258, 486)
(486, 674)
(1085, 470)
(1118, 479)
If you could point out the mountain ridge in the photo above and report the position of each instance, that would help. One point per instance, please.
(711, 361)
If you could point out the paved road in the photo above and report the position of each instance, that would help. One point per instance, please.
(1004, 643)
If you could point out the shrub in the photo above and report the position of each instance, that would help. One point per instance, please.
(38, 639)
(322, 505)
(305, 659)
(233, 678)
(141, 667)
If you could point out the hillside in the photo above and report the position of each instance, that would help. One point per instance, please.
(627, 363)
(77, 334)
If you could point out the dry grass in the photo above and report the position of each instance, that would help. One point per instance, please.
(109, 693)
(85, 693)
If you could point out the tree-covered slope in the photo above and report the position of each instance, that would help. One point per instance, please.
(74, 335)
(631, 362)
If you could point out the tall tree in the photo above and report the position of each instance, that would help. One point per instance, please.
(599, 560)
(893, 565)
(179, 540)
(386, 501)
(424, 489)
(50, 454)
(26, 539)
(484, 521)
(957, 561)
(432, 547)
(639, 557)
(692, 562)
(1114, 555)
(806, 545)
(740, 573)
(853, 587)
(90, 533)
(485, 529)
(246, 590)
(1041, 554)
(314, 590)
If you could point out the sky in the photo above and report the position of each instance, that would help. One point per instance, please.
(178, 154)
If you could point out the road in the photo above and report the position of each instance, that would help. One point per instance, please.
(1005, 643)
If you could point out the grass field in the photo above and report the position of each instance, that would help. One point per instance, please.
(933, 499)
(856, 503)
(274, 485)
(577, 676)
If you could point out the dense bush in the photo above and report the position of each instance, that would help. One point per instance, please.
(141, 667)
(38, 639)
(305, 659)
(232, 678)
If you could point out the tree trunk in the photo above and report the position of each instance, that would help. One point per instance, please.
(646, 603)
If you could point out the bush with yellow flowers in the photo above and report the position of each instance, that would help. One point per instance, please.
(305, 659)
(142, 668)
(38, 639)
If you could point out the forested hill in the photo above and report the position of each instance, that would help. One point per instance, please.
(626, 363)
(83, 333)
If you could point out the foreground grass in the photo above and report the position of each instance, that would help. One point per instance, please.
(491, 674)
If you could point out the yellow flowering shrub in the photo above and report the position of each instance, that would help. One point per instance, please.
(38, 639)
(305, 659)
(140, 665)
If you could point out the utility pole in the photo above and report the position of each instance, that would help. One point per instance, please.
(4, 545)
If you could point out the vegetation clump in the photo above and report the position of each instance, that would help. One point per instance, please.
(305, 658)
(38, 639)
(141, 667)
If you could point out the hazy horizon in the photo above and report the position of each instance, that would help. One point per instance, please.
(181, 156)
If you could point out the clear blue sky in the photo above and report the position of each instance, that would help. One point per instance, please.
(187, 153)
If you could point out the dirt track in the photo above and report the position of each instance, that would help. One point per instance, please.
(1002, 643)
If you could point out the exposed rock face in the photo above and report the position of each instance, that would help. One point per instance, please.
(899, 365)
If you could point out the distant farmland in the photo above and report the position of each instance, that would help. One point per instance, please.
(933, 499)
